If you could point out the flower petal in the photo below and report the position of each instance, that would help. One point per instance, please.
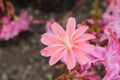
(58, 30)
(84, 46)
(50, 50)
(81, 56)
(98, 53)
(110, 74)
(70, 59)
(71, 24)
(56, 56)
(84, 37)
(80, 30)
(49, 39)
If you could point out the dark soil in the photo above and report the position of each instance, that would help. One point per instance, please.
(19, 57)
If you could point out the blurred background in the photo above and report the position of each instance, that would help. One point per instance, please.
(19, 57)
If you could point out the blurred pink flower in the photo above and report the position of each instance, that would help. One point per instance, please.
(8, 29)
(112, 19)
(23, 21)
(92, 78)
(89, 73)
(70, 46)
(110, 57)
(115, 28)
(48, 25)
(112, 12)
(11, 28)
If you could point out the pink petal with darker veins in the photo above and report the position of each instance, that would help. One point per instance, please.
(56, 56)
(70, 59)
(58, 30)
(83, 37)
(81, 56)
(49, 39)
(84, 46)
(50, 50)
(71, 24)
(80, 30)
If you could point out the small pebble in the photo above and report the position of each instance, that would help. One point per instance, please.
(4, 76)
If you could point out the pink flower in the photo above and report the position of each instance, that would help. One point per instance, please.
(92, 78)
(111, 75)
(115, 28)
(23, 21)
(82, 71)
(110, 57)
(48, 25)
(70, 46)
(8, 32)
(9, 29)
(112, 11)
(112, 18)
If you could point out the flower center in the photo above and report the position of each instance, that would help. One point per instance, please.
(68, 45)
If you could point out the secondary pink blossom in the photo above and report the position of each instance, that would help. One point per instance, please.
(112, 11)
(48, 25)
(112, 18)
(89, 73)
(115, 28)
(23, 21)
(70, 46)
(110, 57)
(113, 24)
(8, 29)
(11, 28)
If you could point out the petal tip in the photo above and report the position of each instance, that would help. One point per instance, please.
(69, 67)
(71, 18)
(42, 52)
(51, 63)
